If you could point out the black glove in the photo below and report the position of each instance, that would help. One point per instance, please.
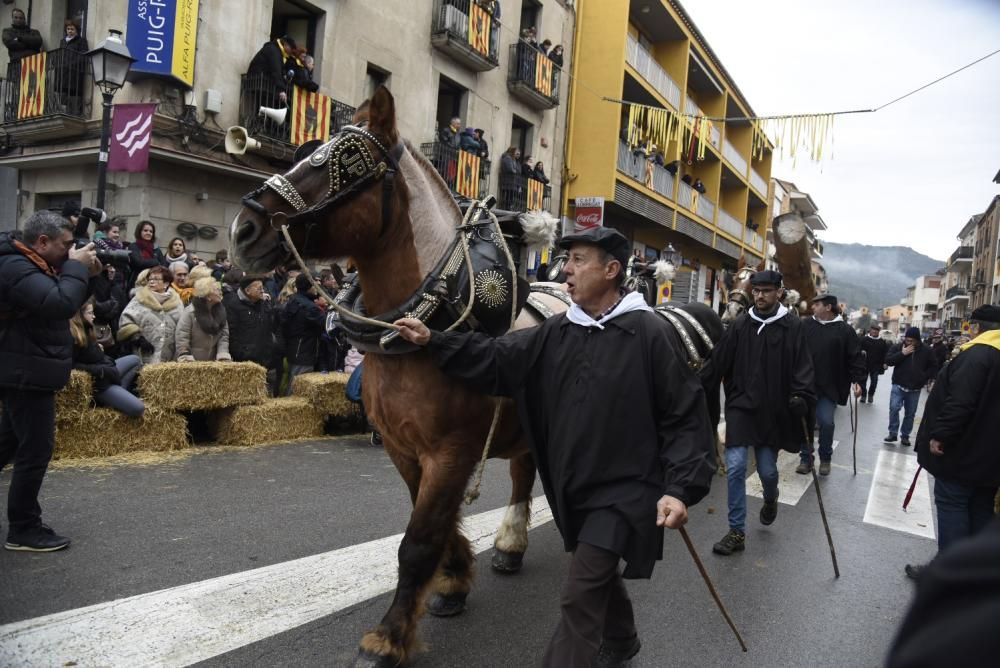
(143, 345)
(798, 406)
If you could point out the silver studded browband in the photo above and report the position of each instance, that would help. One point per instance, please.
(287, 191)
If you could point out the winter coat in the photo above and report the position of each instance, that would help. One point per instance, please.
(836, 357)
(614, 416)
(36, 347)
(874, 350)
(195, 340)
(137, 262)
(70, 65)
(911, 371)
(94, 361)
(266, 70)
(467, 142)
(302, 323)
(940, 350)
(448, 137)
(761, 372)
(156, 322)
(22, 42)
(508, 165)
(962, 412)
(251, 329)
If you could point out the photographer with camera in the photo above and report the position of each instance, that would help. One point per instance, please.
(43, 283)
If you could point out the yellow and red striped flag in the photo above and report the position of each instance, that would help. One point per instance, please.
(467, 180)
(543, 74)
(479, 29)
(310, 116)
(31, 102)
(536, 195)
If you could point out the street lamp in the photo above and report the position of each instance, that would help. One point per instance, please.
(671, 255)
(110, 62)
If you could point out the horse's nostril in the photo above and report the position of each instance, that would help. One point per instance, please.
(246, 233)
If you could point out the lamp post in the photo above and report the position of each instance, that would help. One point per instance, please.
(110, 62)
(671, 255)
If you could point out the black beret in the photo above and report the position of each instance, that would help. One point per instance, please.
(606, 238)
(831, 300)
(986, 313)
(766, 277)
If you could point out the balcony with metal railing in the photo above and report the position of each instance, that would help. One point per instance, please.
(56, 100)
(758, 182)
(518, 192)
(465, 173)
(467, 32)
(754, 240)
(532, 77)
(729, 224)
(685, 194)
(705, 208)
(961, 254)
(714, 136)
(738, 162)
(637, 166)
(257, 91)
(956, 292)
(650, 70)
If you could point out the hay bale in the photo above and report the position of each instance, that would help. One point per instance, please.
(327, 392)
(275, 420)
(100, 432)
(201, 386)
(76, 398)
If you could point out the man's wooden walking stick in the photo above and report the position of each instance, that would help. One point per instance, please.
(819, 497)
(711, 587)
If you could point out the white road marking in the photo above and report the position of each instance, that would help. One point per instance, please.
(893, 474)
(190, 623)
(791, 485)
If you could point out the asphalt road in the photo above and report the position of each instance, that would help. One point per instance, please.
(139, 529)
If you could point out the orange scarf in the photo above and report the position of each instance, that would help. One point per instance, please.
(35, 258)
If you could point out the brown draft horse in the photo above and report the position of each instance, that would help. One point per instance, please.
(396, 224)
(740, 299)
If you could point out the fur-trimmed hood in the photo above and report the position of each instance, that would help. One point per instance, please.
(144, 296)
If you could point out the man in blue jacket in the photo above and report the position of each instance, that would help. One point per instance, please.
(43, 283)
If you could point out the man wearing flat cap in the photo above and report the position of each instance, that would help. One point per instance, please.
(958, 440)
(764, 362)
(838, 367)
(619, 429)
(913, 367)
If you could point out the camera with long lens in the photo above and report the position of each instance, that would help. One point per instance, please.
(116, 257)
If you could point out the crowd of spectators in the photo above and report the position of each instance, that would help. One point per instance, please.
(167, 305)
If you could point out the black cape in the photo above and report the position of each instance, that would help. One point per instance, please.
(874, 350)
(614, 416)
(836, 357)
(761, 372)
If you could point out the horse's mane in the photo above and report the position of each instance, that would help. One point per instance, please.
(434, 215)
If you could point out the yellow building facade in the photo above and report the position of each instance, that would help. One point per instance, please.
(650, 52)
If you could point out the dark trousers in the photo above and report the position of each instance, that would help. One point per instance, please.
(27, 438)
(868, 386)
(595, 605)
(962, 510)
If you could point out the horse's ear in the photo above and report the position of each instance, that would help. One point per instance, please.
(382, 114)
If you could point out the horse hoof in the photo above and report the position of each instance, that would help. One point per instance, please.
(366, 659)
(446, 605)
(507, 562)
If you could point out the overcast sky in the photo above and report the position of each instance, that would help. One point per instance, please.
(911, 174)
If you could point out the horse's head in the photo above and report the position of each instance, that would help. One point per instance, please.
(334, 202)
(739, 299)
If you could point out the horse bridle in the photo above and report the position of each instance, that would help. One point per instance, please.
(352, 168)
(739, 295)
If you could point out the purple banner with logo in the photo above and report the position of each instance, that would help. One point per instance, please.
(131, 136)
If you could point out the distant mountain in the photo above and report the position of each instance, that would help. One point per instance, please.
(876, 276)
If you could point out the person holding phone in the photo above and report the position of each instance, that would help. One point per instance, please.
(914, 367)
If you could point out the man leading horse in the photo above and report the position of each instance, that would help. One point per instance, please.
(619, 428)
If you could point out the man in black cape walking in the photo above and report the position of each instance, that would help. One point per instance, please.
(618, 425)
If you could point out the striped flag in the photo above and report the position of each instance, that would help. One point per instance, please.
(467, 180)
(536, 195)
(31, 102)
(479, 29)
(310, 116)
(543, 74)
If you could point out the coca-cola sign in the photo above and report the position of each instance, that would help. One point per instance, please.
(589, 213)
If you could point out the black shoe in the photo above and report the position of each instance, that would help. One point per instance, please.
(617, 652)
(824, 467)
(862, 400)
(871, 398)
(913, 571)
(734, 541)
(904, 441)
(38, 539)
(891, 438)
(768, 512)
(804, 468)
